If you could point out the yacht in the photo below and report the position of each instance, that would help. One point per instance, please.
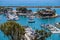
(47, 13)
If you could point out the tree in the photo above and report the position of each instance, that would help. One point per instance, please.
(13, 29)
(1, 8)
(29, 11)
(21, 9)
(44, 10)
(54, 11)
(41, 35)
(48, 8)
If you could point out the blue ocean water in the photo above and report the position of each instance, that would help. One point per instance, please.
(30, 2)
(23, 21)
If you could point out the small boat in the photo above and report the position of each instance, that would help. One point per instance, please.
(12, 17)
(31, 17)
(57, 23)
(31, 21)
(16, 18)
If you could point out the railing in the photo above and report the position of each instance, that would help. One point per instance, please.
(34, 6)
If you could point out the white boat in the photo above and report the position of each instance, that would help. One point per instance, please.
(31, 21)
(12, 17)
(52, 28)
(29, 33)
(16, 18)
(57, 25)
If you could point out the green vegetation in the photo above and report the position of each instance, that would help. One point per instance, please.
(17, 32)
(21, 9)
(29, 11)
(1, 9)
(8, 8)
(42, 35)
(13, 29)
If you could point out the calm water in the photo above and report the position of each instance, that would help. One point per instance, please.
(30, 2)
(36, 25)
(24, 21)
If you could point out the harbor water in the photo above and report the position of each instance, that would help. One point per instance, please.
(38, 21)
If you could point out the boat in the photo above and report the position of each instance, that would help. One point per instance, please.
(57, 25)
(52, 28)
(47, 13)
(31, 21)
(31, 17)
(29, 33)
(12, 17)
